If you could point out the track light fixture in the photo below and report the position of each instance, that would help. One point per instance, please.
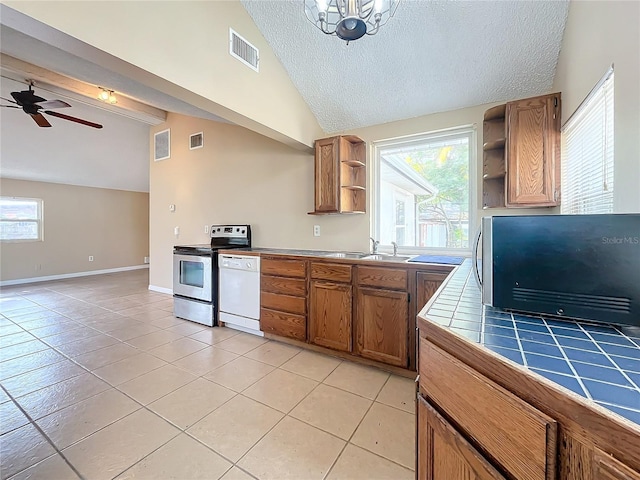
(107, 96)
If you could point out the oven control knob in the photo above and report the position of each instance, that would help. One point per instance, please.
(248, 264)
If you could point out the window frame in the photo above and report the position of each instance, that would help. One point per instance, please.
(38, 221)
(469, 130)
(584, 111)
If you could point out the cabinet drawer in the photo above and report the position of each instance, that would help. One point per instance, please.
(283, 285)
(331, 271)
(283, 324)
(520, 438)
(382, 277)
(283, 267)
(285, 303)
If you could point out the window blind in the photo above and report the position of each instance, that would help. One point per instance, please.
(587, 153)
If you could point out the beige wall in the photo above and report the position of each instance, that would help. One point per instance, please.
(185, 43)
(599, 34)
(237, 177)
(111, 225)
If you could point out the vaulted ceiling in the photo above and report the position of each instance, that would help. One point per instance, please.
(431, 56)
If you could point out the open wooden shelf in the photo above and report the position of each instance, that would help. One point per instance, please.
(494, 145)
(497, 112)
(340, 175)
(354, 163)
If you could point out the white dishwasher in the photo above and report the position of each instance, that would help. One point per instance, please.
(240, 292)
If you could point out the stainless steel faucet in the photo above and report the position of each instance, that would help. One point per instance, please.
(375, 244)
(395, 248)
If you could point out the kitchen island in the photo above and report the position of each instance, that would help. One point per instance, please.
(505, 395)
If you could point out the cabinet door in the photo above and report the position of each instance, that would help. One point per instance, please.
(382, 318)
(444, 454)
(427, 284)
(330, 315)
(327, 175)
(605, 467)
(533, 151)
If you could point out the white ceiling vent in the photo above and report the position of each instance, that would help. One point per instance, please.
(243, 50)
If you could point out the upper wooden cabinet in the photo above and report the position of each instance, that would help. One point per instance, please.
(340, 175)
(521, 153)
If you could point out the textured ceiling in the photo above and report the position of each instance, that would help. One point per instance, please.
(432, 56)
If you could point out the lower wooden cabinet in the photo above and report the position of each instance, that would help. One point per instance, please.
(330, 313)
(283, 297)
(481, 417)
(381, 325)
(445, 454)
(366, 309)
(283, 324)
(605, 467)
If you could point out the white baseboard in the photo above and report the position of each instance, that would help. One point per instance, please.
(48, 278)
(153, 288)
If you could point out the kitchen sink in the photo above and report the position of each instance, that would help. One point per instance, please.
(355, 255)
(387, 257)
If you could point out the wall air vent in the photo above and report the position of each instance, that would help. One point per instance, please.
(244, 51)
(196, 141)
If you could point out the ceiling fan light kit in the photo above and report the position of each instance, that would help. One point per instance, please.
(349, 19)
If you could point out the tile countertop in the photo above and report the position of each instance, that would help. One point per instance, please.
(598, 362)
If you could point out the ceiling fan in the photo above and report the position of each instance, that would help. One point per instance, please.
(35, 106)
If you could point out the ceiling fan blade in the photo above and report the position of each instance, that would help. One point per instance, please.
(8, 100)
(40, 120)
(73, 119)
(10, 106)
(53, 104)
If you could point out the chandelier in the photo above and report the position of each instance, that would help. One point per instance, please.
(349, 19)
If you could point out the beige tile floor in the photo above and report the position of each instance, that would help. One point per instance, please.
(100, 380)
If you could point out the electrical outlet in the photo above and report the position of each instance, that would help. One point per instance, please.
(172, 208)
(91, 258)
(206, 229)
(146, 259)
(176, 231)
(316, 230)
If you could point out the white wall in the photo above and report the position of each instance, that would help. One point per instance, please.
(597, 35)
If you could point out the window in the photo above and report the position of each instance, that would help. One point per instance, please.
(422, 190)
(20, 219)
(587, 153)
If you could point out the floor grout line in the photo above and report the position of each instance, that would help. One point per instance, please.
(148, 322)
(33, 423)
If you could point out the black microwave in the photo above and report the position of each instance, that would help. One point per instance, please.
(568, 266)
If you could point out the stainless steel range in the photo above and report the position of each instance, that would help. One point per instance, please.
(195, 273)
